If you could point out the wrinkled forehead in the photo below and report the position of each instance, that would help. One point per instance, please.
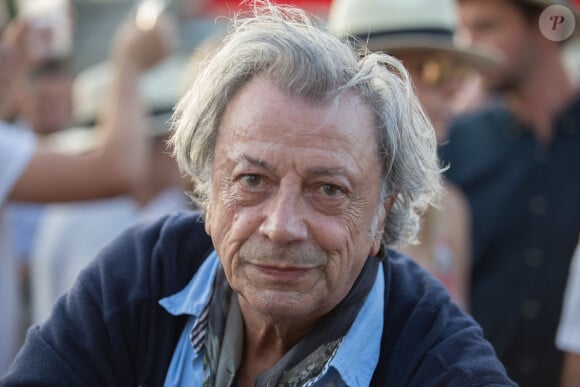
(264, 110)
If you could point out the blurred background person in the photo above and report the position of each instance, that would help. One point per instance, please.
(420, 34)
(518, 161)
(568, 335)
(29, 171)
(44, 98)
(70, 235)
(571, 49)
(43, 105)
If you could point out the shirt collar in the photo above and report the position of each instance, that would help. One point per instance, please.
(192, 299)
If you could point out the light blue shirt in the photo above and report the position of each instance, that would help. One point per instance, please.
(353, 363)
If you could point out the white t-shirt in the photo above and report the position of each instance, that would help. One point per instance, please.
(568, 336)
(70, 236)
(16, 149)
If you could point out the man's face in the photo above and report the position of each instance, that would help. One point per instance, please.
(47, 104)
(294, 194)
(499, 26)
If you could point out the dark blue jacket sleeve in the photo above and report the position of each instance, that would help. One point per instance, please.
(109, 329)
(427, 339)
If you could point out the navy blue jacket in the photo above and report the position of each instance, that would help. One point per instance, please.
(109, 329)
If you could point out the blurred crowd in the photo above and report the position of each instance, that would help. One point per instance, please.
(83, 155)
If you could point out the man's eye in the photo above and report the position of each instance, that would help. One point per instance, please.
(331, 190)
(252, 180)
(485, 26)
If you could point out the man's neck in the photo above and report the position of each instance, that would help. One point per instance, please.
(263, 347)
(544, 94)
(266, 340)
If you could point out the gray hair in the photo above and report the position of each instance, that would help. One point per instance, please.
(293, 50)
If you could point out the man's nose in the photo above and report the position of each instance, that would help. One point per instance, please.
(284, 220)
(450, 88)
(465, 37)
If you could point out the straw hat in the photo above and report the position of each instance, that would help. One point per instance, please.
(395, 25)
(160, 88)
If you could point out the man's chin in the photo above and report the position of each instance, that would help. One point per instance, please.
(279, 304)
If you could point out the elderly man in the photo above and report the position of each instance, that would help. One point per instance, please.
(306, 163)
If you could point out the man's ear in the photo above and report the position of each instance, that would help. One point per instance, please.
(390, 202)
(377, 242)
(376, 247)
(207, 218)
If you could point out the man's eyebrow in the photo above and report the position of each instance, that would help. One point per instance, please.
(323, 171)
(315, 171)
(256, 162)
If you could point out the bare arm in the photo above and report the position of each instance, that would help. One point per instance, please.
(119, 162)
(457, 224)
(571, 370)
